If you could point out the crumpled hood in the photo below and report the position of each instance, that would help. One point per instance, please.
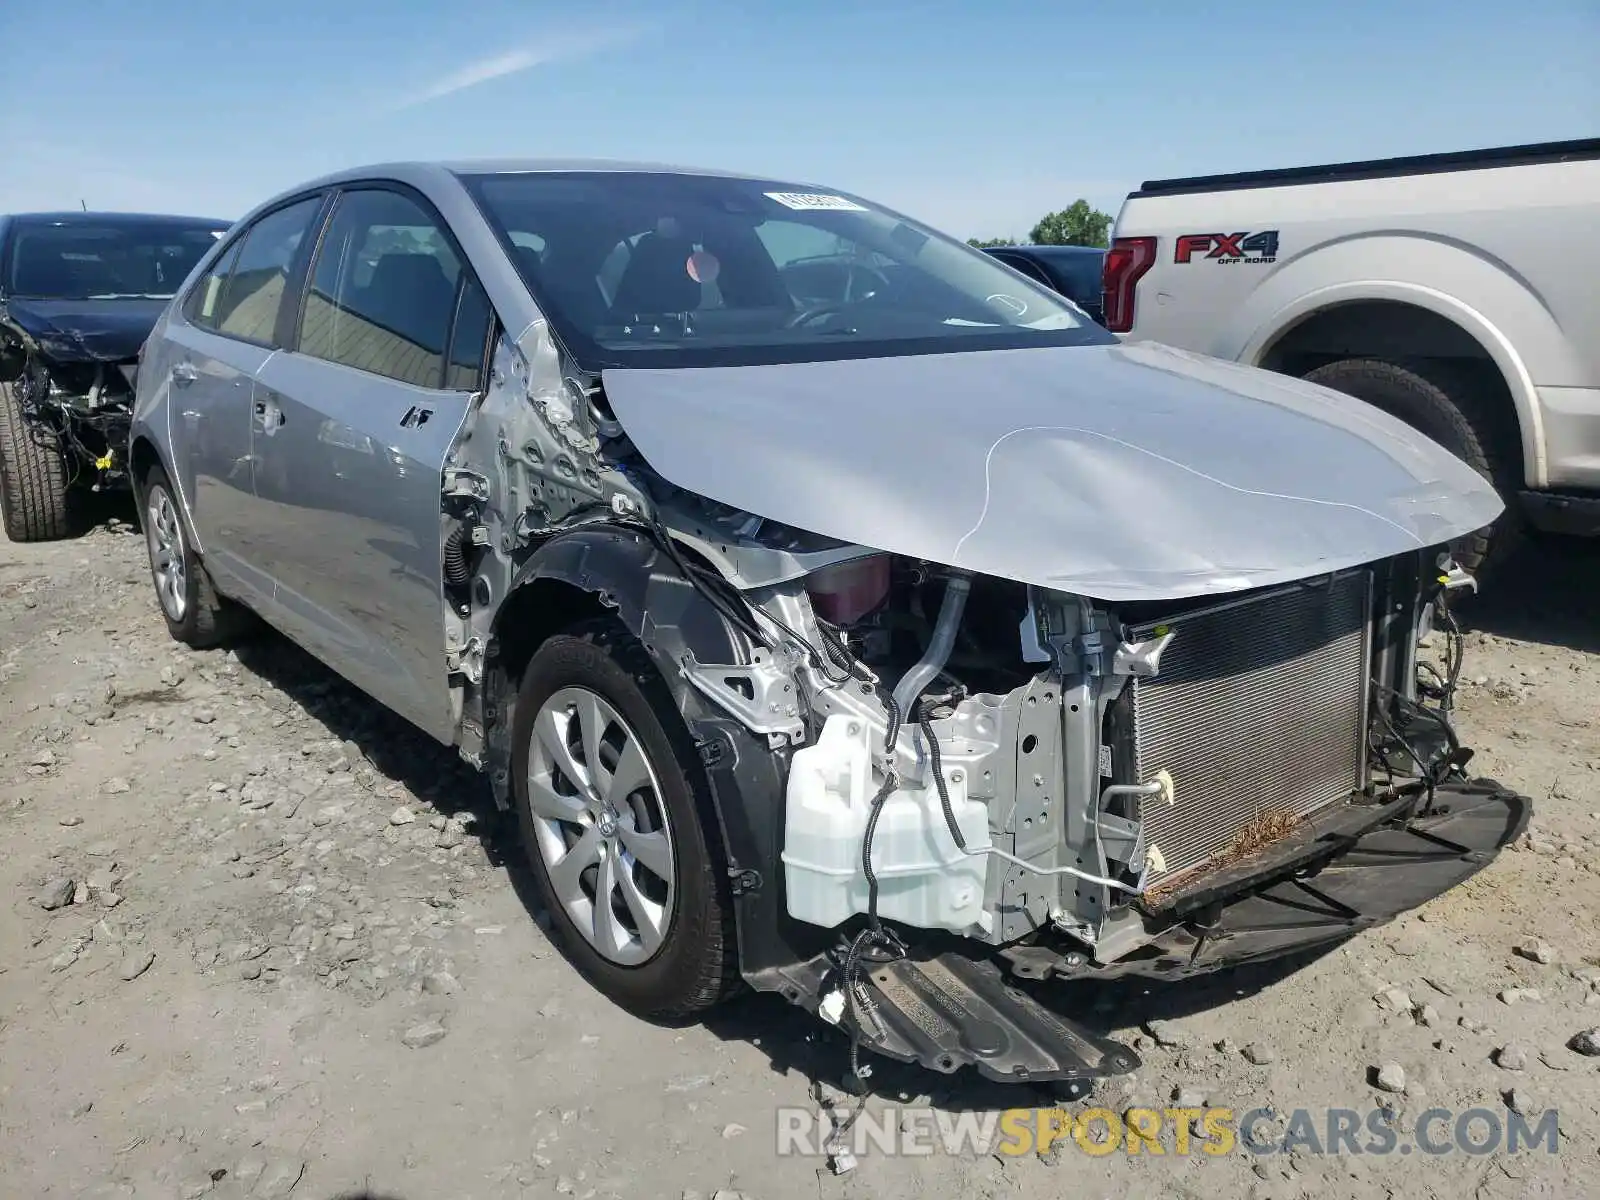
(85, 330)
(1126, 472)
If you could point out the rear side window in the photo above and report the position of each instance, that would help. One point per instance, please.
(246, 305)
(384, 291)
(205, 302)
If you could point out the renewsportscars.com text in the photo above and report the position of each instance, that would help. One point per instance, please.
(1214, 1131)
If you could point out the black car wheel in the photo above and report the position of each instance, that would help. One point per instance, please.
(35, 497)
(1447, 404)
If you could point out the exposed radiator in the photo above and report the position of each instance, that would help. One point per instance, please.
(1258, 713)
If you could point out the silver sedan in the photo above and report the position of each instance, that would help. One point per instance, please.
(804, 580)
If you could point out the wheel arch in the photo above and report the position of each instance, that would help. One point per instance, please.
(1485, 299)
(143, 455)
(1376, 320)
(616, 570)
(619, 571)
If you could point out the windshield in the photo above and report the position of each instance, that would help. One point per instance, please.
(105, 259)
(655, 269)
(1079, 275)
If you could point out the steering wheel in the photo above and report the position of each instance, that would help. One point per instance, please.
(816, 312)
(863, 282)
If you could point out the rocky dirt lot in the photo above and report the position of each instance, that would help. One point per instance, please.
(258, 938)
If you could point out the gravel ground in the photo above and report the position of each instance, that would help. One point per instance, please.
(259, 938)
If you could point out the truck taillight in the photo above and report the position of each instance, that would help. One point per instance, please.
(1126, 262)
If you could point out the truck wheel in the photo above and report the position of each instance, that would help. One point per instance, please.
(34, 477)
(1445, 403)
(195, 614)
(610, 800)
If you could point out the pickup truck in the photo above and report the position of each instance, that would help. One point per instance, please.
(1454, 291)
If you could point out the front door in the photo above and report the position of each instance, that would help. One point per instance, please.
(353, 423)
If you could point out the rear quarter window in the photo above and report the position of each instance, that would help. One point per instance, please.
(205, 298)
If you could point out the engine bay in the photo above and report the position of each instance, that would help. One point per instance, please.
(83, 407)
(1083, 767)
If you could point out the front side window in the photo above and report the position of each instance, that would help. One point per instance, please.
(248, 305)
(469, 340)
(383, 289)
(660, 269)
(105, 258)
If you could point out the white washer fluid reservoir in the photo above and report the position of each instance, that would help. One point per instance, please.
(924, 878)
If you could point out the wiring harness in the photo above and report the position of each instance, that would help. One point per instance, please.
(54, 430)
(1405, 721)
(874, 941)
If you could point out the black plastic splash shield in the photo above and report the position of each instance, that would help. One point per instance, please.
(1318, 892)
(950, 1009)
(1389, 871)
(947, 1011)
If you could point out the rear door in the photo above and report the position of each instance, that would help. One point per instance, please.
(354, 421)
(226, 330)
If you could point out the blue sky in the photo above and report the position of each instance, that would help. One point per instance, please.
(975, 116)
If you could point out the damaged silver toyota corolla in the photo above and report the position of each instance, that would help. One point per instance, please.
(838, 611)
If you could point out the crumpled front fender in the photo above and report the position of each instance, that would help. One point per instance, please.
(629, 574)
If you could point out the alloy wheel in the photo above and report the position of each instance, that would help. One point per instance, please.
(601, 826)
(168, 560)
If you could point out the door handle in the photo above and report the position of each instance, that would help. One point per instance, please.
(268, 414)
(184, 373)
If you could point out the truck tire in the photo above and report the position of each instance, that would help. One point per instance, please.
(630, 873)
(1447, 403)
(34, 476)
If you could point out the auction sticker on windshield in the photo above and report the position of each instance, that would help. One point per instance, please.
(814, 201)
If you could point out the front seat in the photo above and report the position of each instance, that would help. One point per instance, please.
(410, 295)
(656, 279)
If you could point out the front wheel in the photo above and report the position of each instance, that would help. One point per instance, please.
(35, 481)
(609, 797)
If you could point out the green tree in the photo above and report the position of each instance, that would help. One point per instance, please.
(980, 243)
(1077, 225)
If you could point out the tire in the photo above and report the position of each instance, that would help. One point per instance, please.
(691, 965)
(1448, 404)
(195, 613)
(34, 476)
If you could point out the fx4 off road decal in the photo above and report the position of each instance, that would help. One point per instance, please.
(1228, 247)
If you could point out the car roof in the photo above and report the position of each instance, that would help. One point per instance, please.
(507, 166)
(72, 217)
(439, 168)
